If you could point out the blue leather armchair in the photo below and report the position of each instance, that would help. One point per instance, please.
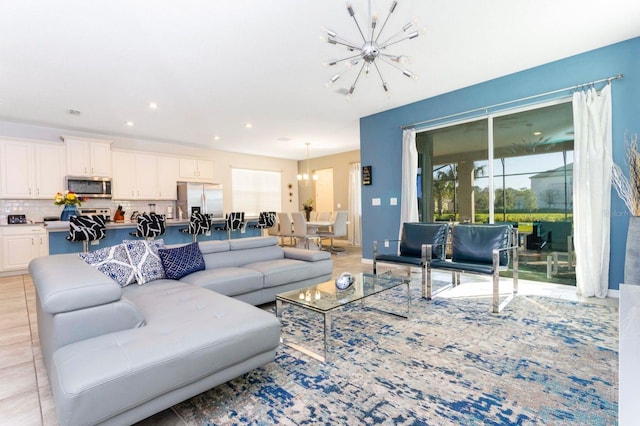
(479, 249)
(413, 244)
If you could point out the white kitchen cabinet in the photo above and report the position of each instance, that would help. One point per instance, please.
(139, 176)
(86, 157)
(192, 168)
(168, 175)
(31, 170)
(49, 171)
(147, 176)
(124, 184)
(21, 244)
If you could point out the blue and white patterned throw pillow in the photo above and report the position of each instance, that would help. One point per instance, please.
(113, 262)
(181, 261)
(143, 256)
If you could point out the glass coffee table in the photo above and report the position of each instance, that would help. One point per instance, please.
(325, 299)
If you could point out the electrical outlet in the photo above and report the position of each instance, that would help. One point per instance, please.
(95, 242)
(386, 243)
(393, 201)
(208, 233)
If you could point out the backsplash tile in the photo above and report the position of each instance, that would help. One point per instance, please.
(36, 210)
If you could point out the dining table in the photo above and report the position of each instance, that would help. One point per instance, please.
(312, 228)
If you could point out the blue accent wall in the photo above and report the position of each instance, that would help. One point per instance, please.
(381, 134)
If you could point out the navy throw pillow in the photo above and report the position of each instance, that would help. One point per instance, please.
(181, 261)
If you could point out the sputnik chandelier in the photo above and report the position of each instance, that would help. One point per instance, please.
(372, 49)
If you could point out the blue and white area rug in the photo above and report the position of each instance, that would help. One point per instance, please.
(541, 361)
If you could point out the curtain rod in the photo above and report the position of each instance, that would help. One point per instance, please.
(486, 108)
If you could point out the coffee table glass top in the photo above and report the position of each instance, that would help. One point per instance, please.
(326, 296)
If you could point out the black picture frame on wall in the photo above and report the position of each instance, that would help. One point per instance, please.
(366, 175)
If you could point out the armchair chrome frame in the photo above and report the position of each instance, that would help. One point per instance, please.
(457, 268)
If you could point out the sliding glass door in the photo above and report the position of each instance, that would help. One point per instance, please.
(513, 167)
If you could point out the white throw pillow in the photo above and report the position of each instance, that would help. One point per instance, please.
(144, 258)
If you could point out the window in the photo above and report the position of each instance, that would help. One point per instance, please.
(521, 172)
(254, 191)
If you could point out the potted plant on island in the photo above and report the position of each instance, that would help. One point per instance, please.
(308, 208)
(629, 190)
(70, 201)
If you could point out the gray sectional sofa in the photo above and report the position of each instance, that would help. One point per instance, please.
(116, 355)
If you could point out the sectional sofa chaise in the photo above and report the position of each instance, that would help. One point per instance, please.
(118, 354)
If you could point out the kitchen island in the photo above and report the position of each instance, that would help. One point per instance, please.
(118, 232)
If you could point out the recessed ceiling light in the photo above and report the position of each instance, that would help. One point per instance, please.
(130, 123)
(73, 111)
(248, 125)
(283, 139)
(537, 133)
(216, 138)
(153, 105)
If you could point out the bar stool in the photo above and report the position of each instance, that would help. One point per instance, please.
(199, 224)
(150, 226)
(233, 222)
(86, 228)
(266, 220)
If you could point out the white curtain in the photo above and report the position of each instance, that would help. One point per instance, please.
(592, 189)
(409, 196)
(355, 205)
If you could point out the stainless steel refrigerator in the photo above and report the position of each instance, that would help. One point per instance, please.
(203, 197)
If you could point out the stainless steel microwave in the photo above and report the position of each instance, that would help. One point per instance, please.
(90, 187)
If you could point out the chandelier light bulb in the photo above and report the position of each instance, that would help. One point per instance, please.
(332, 80)
(350, 9)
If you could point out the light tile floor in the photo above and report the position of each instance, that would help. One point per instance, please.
(25, 395)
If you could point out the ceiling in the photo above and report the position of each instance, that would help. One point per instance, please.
(214, 66)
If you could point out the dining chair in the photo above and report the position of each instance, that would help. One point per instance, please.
(323, 217)
(285, 229)
(339, 229)
(300, 229)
